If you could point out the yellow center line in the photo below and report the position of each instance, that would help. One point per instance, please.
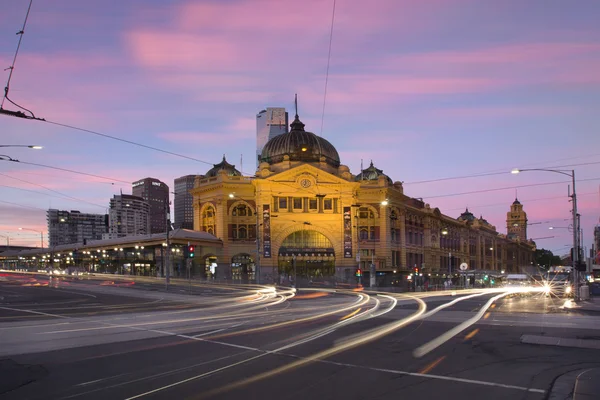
(351, 314)
(493, 306)
(432, 365)
(487, 315)
(471, 334)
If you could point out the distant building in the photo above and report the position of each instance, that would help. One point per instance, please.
(596, 251)
(128, 216)
(184, 210)
(66, 227)
(269, 123)
(516, 222)
(156, 193)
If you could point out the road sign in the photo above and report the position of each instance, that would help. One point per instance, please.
(464, 267)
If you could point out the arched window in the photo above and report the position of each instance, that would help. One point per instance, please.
(208, 223)
(366, 224)
(242, 226)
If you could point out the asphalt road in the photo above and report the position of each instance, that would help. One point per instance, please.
(73, 341)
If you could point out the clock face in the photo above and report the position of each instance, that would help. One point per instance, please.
(305, 183)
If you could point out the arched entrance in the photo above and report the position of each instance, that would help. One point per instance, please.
(242, 268)
(307, 255)
(210, 267)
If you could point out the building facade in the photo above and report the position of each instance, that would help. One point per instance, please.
(184, 210)
(128, 216)
(305, 215)
(66, 227)
(269, 123)
(156, 193)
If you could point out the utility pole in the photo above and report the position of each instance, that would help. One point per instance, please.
(575, 241)
(168, 249)
(257, 262)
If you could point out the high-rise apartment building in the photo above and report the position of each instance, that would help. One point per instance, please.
(516, 221)
(66, 227)
(184, 210)
(128, 216)
(156, 193)
(269, 123)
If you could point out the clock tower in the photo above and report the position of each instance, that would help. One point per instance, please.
(516, 221)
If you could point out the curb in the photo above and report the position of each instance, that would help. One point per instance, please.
(563, 387)
(587, 385)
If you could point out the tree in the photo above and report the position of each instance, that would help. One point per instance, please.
(545, 258)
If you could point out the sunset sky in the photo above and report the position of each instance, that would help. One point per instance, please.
(427, 89)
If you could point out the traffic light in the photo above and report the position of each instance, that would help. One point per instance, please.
(359, 272)
(485, 278)
(416, 270)
(190, 251)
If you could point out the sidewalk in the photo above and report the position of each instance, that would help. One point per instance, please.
(587, 385)
(593, 305)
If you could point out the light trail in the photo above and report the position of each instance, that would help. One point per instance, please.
(440, 340)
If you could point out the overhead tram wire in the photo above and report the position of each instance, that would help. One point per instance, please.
(19, 114)
(66, 170)
(493, 173)
(327, 69)
(506, 188)
(22, 205)
(52, 190)
(523, 200)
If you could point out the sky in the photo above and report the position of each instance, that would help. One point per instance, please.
(426, 89)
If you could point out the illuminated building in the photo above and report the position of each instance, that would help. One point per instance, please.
(304, 208)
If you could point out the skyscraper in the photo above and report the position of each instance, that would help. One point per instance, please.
(156, 193)
(269, 123)
(184, 210)
(66, 227)
(128, 216)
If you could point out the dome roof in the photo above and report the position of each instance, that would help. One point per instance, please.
(299, 145)
(372, 174)
(223, 166)
(516, 201)
(467, 216)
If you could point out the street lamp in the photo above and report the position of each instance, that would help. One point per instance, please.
(31, 146)
(34, 230)
(575, 260)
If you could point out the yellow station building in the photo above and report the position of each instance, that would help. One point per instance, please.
(306, 215)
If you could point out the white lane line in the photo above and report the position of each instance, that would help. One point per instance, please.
(33, 312)
(369, 336)
(443, 338)
(439, 377)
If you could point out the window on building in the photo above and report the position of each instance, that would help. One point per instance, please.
(208, 222)
(312, 204)
(327, 204)
(297, 203)
(283, 205)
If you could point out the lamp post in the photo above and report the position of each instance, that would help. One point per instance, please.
(34, 230)
(7, 242)
(575, 258)
(31, 146)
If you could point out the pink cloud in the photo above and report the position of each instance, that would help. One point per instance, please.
(504, 112)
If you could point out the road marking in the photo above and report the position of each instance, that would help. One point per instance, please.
(351, 314)
(562, 342)
(432, 365)
(33, 312)
(471, 334)
(440, 340)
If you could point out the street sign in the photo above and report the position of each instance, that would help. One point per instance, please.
(464, 267)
